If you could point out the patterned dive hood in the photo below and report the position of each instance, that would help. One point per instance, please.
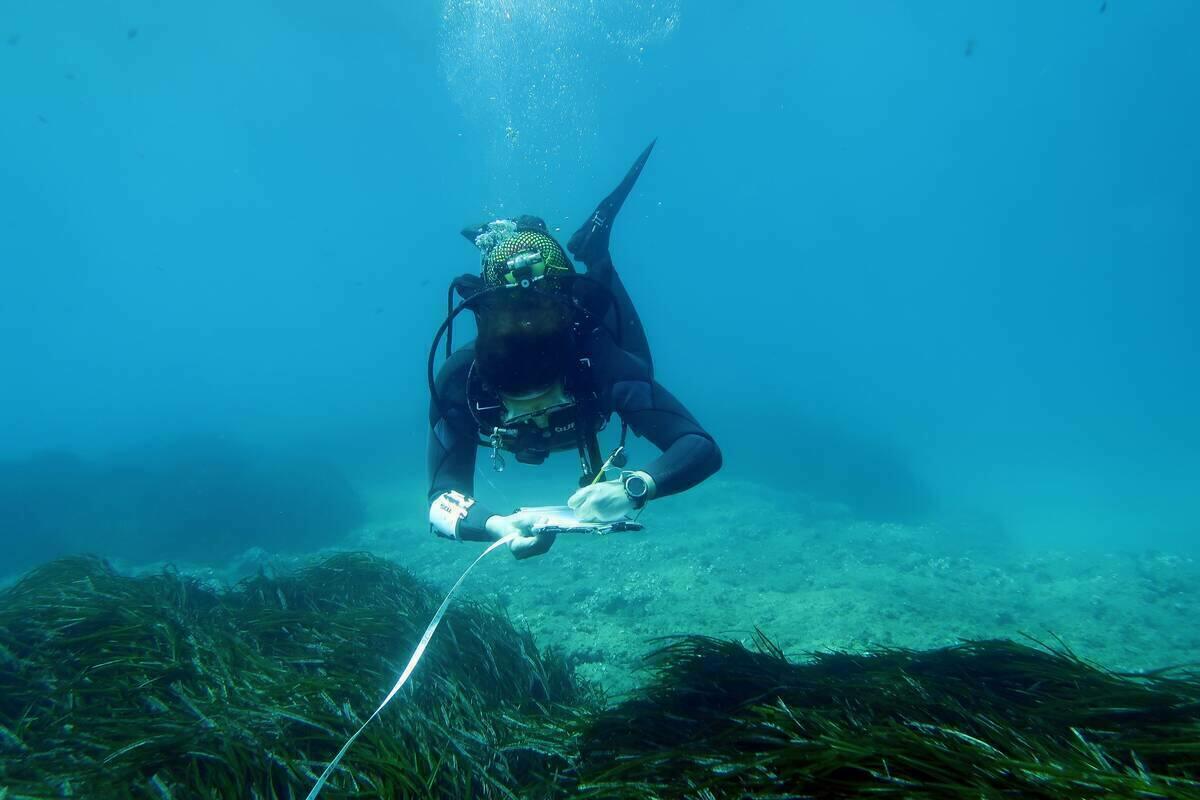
(516, 253)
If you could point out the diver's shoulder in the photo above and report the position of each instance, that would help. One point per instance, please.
(456, 368)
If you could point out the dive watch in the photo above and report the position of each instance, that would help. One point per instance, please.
(636, 489)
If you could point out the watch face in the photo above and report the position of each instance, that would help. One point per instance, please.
(635, 487)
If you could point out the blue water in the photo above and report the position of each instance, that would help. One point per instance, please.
(936, 262)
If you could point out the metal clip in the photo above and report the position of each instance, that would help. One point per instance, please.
(497, 459)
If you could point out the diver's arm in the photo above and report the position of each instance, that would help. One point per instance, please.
(689, 453)
(453, 512)
(450, 459)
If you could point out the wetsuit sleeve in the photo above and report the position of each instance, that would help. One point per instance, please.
(689, 453)
(450, 455)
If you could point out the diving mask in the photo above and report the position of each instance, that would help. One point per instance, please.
(537, 406)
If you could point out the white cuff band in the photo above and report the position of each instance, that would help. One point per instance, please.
(446, 511)
(651, 488)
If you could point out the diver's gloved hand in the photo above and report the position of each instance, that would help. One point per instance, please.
(602, 502)
(527, 544)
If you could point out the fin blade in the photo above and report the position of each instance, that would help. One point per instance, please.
(590, 242)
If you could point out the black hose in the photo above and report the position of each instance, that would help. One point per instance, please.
(449, 311)
(447, 324)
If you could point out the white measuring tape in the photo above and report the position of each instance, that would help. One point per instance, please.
(412, 664)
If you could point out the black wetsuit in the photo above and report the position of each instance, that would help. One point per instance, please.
(620, 379)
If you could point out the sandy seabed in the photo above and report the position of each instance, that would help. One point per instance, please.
(812, 578)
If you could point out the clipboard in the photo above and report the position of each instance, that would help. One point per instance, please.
(562, 519)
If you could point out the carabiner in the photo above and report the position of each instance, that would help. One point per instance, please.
(497, 459)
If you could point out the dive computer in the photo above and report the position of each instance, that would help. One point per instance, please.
(636, 489)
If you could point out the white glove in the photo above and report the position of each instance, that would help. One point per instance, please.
(527, 544)
(601, 502)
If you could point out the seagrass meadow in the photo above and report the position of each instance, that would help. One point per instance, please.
(158, 686)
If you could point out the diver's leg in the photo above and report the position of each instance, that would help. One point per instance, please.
(589, 244)
(631, 336)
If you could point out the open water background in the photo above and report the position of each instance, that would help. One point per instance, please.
(935, 263)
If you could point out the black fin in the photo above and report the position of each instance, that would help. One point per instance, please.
(590, 242)
(471, 231)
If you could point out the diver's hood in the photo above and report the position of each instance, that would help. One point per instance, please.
(518, 252)
(524, 222)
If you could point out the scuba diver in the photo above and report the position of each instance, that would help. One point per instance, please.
(557, 352)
